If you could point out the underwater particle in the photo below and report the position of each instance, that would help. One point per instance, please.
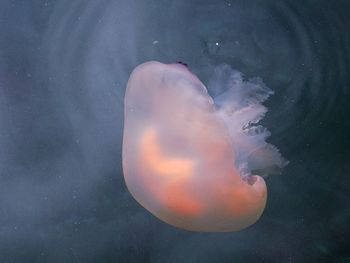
(188, 159)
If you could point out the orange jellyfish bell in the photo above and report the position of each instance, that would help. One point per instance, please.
(188, 159)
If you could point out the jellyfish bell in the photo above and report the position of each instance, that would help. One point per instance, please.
(188, 158)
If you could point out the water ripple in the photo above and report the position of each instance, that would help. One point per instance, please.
(94, 46)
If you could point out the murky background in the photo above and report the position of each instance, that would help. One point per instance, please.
(63, 70)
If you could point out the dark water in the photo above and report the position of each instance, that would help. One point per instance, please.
(63, 69)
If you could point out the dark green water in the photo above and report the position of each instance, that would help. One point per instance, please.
(63, 70)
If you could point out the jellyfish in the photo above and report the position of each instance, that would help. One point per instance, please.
(195, 162)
